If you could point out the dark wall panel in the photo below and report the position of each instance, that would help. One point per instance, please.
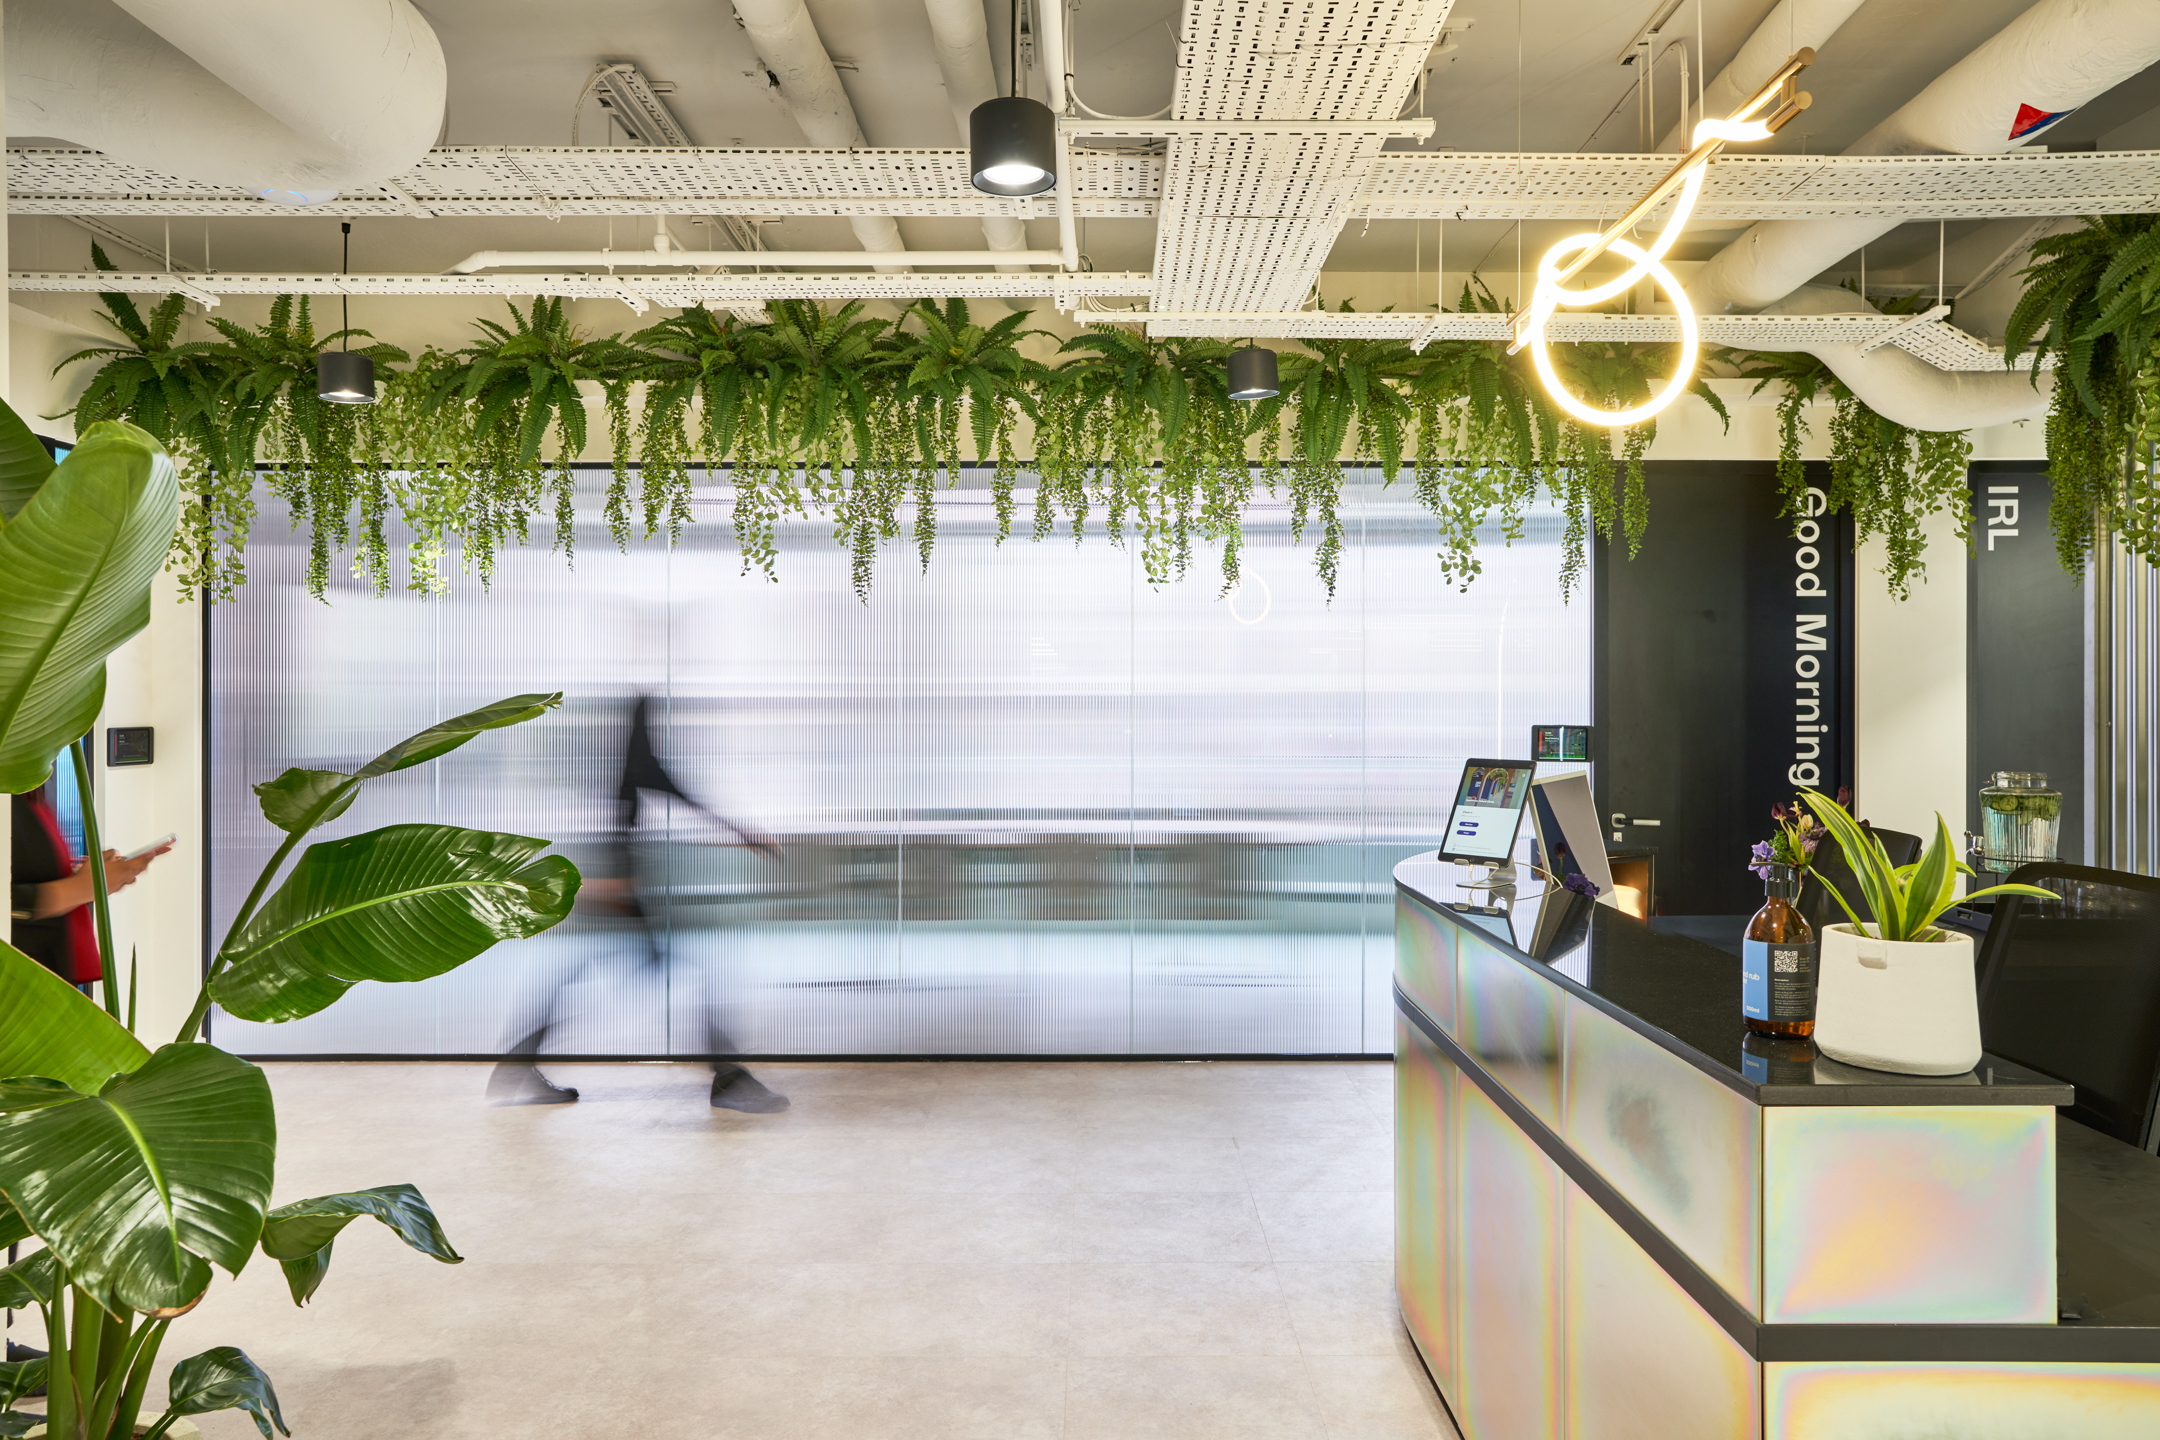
(2025, 667)
(1724, 654)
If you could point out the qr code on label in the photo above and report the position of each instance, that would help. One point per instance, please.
(1786, 964)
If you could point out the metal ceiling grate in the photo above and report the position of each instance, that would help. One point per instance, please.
(1397, 185)
(550, 181)
(1944, 346)
(722, 291)
(1762, 187)
(1246, 221)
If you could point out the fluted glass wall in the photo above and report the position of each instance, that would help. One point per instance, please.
(1023, 803)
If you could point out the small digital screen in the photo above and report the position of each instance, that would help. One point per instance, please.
(1560, 742)
(1488, 810)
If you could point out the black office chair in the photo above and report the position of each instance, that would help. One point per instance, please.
(1817, 907)
(2071, 988)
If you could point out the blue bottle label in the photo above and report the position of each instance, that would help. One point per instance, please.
(1777, 982)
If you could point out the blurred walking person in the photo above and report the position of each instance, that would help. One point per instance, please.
(615, 891)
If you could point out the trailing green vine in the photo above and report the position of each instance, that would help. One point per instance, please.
(834, 413)
(1888, 477)
(2093, 305)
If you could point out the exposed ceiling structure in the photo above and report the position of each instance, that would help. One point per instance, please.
(1242, 148)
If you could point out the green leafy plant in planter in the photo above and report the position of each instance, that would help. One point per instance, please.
(1905, 900)
(139, 1170)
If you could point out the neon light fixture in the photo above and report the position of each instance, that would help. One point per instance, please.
(1568, 259)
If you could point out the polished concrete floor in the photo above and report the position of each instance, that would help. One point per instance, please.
(1095, 1251)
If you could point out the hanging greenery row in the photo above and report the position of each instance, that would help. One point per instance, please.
(2093, 306)
(835, 413)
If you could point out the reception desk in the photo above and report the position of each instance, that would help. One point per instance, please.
(1616, 1216)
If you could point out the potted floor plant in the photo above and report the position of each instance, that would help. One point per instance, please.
(1897, 993)
(138, 1169)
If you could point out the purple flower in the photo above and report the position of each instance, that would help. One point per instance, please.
(1580, 884)
(1777, 812)
(1760, 859)
(1844, 796)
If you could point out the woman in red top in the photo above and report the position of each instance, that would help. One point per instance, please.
(49, 894)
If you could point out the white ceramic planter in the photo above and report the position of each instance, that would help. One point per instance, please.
(1898, 1005)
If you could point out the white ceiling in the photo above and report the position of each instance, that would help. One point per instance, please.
(1539, 74)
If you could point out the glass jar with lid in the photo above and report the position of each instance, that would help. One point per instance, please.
(2019, 820)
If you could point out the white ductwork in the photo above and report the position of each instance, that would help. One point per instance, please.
(962, 42)
(2049, 61)
(2007, 93)
(1905, 389)
(1781, 33)
(789, 46)
(290, 101)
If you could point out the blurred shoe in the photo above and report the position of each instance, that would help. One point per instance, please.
(737, 1089)
(525, 1085)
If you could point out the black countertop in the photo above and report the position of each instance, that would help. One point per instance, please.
(1685, 995)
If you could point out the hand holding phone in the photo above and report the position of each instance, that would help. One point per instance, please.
(158, 844)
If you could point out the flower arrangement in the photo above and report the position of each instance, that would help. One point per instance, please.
(1795, 840)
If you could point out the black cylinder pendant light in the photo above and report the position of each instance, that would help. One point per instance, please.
(1012, 140)
(341, 377)
(1012, 146)
(1252, 374)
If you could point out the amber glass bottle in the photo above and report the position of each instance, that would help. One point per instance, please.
(1777, 965)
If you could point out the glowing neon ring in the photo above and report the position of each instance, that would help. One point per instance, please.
(1547, 294)
(1551, 293)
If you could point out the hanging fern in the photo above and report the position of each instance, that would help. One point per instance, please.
(833, 412)
(1888, 477)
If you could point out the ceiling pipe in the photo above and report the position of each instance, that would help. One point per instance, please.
(961, 39)
(1051, 28)
(1050, 34)
(2048, 62)
(2007, 93)
(238, 93)
(788, 45)
(1905, 389)
(1781, 33)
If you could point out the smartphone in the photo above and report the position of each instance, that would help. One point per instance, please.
(167, 838)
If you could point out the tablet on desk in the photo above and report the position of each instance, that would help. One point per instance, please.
(1488, 811)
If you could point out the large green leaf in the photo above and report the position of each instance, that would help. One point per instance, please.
(55, 1031)
(24, 463)
(13, 1228)
(29, 1281)
(19, 1377)
(225, 1379)
(299, 1236)
(446, 735)
(402, 903)
(134, 1188)
(75, 570)
(299, 800)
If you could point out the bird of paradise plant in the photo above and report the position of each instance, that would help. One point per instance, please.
(137, 1170)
